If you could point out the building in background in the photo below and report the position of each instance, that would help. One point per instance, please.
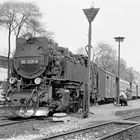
(3, 70)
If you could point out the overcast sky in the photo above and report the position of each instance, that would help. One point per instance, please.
(115, 18)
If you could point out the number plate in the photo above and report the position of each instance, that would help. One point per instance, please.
(29, 61)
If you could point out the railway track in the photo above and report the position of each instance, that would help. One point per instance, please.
(18, 120)
(133, 118)
(105, 131)
(115, 130)
(9, 119)
(131, 132)
(91, 132)
(12, 120)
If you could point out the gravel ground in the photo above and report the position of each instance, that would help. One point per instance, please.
(40, 128)
(132, 134)
(98, 132)
(35, 129)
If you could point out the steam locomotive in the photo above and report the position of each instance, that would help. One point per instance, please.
(45, 75)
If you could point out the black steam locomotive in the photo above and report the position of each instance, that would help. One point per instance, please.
(45, 75)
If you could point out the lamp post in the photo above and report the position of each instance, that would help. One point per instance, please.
(118, 39)
(90, 14)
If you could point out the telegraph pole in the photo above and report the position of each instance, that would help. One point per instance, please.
(90, 14)
(118, 39)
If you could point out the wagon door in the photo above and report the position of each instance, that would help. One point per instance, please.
(101, 84)
(113, 87)
(108, 86)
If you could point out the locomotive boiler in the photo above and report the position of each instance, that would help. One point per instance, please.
(45, 75)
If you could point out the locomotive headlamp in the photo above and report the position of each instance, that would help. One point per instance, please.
(12, 80)
(38, 81)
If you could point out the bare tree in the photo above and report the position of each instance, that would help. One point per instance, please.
(36, 29)
(7, 17)
(97, 51)
(130, 74)
(136, 77)
(104, 56)
(17, 17)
